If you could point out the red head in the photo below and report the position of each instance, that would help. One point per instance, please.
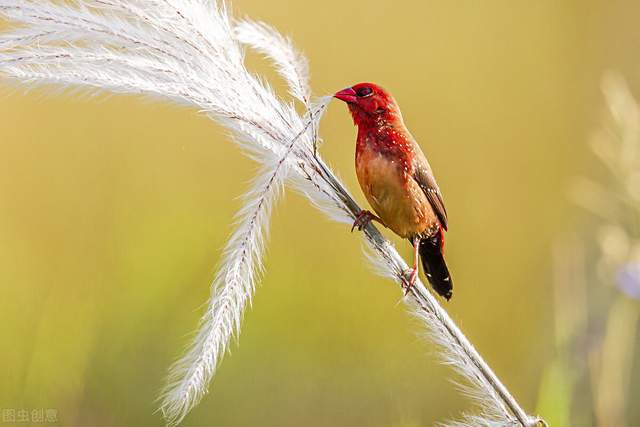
(370, 104)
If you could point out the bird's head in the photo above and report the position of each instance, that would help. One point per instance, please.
(370, 104)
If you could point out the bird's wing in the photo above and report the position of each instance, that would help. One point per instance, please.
(424, 177)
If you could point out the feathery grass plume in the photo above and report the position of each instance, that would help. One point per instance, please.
(241, 267)
(232, 289)
(189, 51)
(291, 64)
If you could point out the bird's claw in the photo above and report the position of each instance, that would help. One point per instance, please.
(413, 274)
(363, 219)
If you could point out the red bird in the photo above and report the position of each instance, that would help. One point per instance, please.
(396, 179)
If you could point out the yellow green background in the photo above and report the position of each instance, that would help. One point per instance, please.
(113, 211)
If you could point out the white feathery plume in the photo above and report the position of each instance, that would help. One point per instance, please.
(189, 51)
(233, 287)
(291, 64)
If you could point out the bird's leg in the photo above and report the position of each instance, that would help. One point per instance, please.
(364, 218)
(414, 271)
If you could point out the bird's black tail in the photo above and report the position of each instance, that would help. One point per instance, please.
(435, 268)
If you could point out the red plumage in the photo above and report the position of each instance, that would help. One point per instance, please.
(397, 180)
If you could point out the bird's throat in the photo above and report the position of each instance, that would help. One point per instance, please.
(376, 119)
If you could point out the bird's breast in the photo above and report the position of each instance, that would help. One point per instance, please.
(386, 180)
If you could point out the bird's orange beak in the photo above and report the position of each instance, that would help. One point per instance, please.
(347, 95)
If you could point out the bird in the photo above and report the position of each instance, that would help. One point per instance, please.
(398, 182)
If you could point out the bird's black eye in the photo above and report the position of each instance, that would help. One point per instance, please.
(364, 91)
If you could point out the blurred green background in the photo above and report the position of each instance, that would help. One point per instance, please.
(113, 212)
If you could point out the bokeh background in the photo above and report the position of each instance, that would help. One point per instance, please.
(113, 211)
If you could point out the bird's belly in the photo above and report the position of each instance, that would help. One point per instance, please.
(393, 194)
